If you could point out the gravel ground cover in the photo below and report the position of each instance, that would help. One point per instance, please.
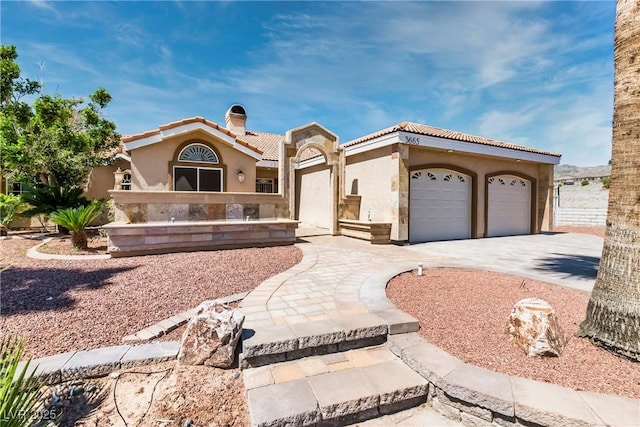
(465, 312)
(584, 229)
(60, 305)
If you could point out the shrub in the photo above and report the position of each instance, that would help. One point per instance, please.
(606, 182)
(45, 200)
(76, 220)
(584, 182)
(10, 206)
(19, 392)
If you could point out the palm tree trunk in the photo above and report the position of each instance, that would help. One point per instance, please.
(79, 239)
(613, 312)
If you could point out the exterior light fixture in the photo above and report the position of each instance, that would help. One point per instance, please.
(449, 151)
(518, 160)
(240, 175)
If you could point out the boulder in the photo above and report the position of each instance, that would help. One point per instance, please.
(211, 336)
(534, 327)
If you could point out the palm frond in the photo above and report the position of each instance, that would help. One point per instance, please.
(77, 219)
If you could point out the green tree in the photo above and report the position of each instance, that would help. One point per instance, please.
(55, 140)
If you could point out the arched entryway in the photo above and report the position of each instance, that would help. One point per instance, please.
(313, 161)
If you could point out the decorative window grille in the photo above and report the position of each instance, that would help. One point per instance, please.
(198, 153)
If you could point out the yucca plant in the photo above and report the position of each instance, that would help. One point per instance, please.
(76, 221)
(19, 392)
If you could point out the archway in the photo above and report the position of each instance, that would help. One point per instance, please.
(313, 163)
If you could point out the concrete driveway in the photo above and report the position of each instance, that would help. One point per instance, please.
(566, 259)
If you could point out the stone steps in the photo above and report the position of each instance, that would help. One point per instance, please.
(290, 341)
(333, 389)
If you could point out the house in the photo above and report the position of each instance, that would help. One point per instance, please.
(407, 183)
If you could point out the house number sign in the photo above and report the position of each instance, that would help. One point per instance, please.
(413, 140)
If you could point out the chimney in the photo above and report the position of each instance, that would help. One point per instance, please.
(236, 120)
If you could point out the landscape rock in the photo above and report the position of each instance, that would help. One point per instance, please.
(534, 327)
(211, 336)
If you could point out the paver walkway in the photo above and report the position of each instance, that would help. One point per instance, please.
(332, 279)
(298, 323)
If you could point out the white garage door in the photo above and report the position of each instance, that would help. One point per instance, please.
(439, 205)
(509, 206)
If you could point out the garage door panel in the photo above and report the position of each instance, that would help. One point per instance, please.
(440, 205)
(509, 206)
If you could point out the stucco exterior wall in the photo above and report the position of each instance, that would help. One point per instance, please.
(151, 171)
(314, 196)
(375, 177)
(101, 180)
(369, 175)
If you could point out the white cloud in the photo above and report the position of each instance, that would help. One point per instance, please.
(42, 4)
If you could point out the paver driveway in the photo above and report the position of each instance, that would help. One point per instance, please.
(566, 259)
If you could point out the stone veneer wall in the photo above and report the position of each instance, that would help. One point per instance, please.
(138, 207)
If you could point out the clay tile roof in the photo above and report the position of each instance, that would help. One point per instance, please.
(447, 134)
(267, 142)
(183, 122)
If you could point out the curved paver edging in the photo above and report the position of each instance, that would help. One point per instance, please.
(34, 253)
(478, 396)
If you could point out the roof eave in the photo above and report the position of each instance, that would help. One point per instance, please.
(427, 141)
(190, 125)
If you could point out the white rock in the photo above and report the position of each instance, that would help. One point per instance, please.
(534, 327)
(211, 336)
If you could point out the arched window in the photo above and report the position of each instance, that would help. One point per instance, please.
(198, 153)
(188, 175)
(126, 180)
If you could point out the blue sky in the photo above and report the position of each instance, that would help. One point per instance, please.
(533, 73)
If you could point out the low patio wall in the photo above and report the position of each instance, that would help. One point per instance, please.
(137, 207)
(154, 238)
(375, 232)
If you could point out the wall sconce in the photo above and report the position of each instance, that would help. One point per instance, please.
(240, 175)
(449, 151)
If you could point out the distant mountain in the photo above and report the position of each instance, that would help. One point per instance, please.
(570, 171)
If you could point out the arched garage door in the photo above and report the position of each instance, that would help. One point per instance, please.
(439, 205)
(509, 206)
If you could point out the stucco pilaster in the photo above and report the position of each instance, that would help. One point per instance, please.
(400, 192)
(545, 198)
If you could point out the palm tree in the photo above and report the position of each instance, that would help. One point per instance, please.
(76, 220)
(613, 312)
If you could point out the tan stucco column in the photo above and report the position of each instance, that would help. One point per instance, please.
(400, 192)
(545, 198)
